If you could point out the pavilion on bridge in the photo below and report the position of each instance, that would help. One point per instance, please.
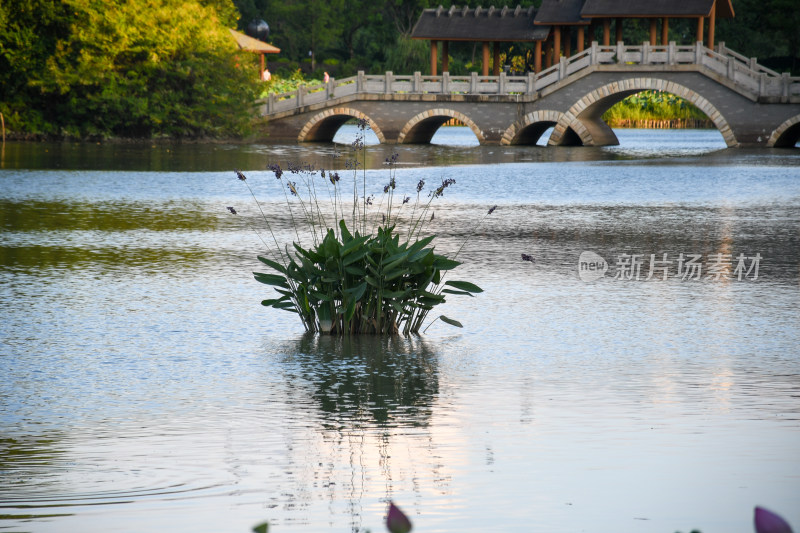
(552, 26)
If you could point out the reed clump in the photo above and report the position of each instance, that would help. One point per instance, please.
(370, 267)
(656, 109)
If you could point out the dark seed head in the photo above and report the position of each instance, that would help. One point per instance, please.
(240, 175)
(232, 210)
(491, 210)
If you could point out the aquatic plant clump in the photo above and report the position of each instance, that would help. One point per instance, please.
(362, 273)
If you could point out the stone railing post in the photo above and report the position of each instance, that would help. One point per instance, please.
(620, 52)
(388, 83)
(301, 92)
(360, 81)
(753, 63)
(562, 68)
(762, 84)
(593, 54)
(530, 87)
(645, 53)
(698, 53)
(732, 68)
(672, 53)
(501, 83)
(271, 104)
(416, 86)
(445, 82)
(473, 83)
(785, 88)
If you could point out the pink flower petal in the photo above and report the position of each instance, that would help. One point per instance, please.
(769, 522)
(397, 521)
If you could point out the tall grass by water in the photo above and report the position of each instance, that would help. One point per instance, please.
(656, 109)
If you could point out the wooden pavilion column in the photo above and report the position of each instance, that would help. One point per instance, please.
(618, 28)
(434, 59)
(665, 31)
(567, 41)
(556, 44)
(712, 19)
(548, 54)
(653, 26)
(537, 58)
(700, 22)
(495, 58)
(606, 32)
(581, 39)
(485, 71)
(445, 56)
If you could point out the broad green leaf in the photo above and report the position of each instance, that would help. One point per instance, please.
(395, 294)
(357, 256)
(389, 276)
(420, 244)
(320, 296)
(271, 279)
(269, 262)
(464, 286)
(273, 301)
(346, 235)
(357, 292)
(443, 263)
(372, 281)
(353, 244)
(355, 271)
(451, 291)
(450, 321)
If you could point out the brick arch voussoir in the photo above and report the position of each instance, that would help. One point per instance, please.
(544, 115)
(339, 111)
(644, 84)
(461, 117)
(773, 138)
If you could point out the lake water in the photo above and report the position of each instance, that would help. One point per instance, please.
(144, 388)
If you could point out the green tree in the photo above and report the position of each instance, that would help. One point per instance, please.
(171, 69)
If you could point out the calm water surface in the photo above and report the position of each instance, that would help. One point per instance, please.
(143, 387)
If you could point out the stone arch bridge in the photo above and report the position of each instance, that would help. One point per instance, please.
(748, 103)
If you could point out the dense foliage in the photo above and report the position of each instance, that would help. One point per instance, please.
(85, 68)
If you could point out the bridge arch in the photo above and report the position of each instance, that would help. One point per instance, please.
(323, 126)
(584, 118)
(786, 135)
(530, 128)
(421, 128)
